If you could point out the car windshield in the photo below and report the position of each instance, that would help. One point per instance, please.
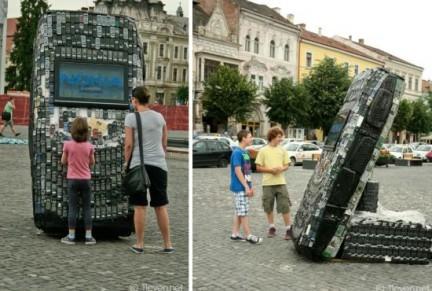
(425, 148)
(291, 146)
(396, 149)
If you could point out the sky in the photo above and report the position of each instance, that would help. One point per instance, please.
(401, 28)
(14, 6)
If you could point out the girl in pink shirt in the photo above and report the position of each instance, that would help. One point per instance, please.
(78, 155)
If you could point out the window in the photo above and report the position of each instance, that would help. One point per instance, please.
(145, 47)
(209, 67)
(212, 146)
(308, 60)
(274, 79)
(272, 49)
(175, 74)
(185, 56)
(286, 53)
(159, 73)
(176, 52)
(161, 50)
(256, 45)
(346, 65)
(416, 84)
(410, 83)
(253, 79)
(164, 73)
(184, 75)
(200, 147)
(247, 43)
(356, 69)
(160, 96)
(261, 82)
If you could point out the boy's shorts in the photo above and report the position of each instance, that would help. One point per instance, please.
(278, 193)
(241, 203)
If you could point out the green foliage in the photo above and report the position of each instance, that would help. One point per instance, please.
(326, 87)
(183, 95)
(287, 103)
(421, 119)
(19, 76)
(403, 116)
(228, 94)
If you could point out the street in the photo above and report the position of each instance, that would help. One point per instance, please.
(221, 264)
(31, 260)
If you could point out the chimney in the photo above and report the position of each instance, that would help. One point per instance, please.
(361, 40)
(277, 9)
(319, 31)
(302, 26)
(350, 37)
(290, 17)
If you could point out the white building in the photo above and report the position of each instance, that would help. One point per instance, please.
(165, 43)
(410, 72)
(214, 44)
(3, 32)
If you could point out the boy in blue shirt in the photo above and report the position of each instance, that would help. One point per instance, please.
(241, 186)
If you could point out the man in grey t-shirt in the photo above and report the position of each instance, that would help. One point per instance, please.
(155, 138)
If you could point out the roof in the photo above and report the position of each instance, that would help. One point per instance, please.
(263, 10)
(200, 18)
(330, 42)
(384, 53)
(180, 24)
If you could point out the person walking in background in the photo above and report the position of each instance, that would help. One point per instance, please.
(7, 117)
(241, 186)
(155, 139)
(78, 155)
(273, 161)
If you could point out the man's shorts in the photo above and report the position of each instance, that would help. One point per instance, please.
(241, 203)
(158, 189)
(278, 193)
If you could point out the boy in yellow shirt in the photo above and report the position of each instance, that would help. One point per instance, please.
(273, 161)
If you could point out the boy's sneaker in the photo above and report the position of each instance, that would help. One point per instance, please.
(67, 240)
(271, 232)
(90, 241)
(253, 239)
(237, 238)
(18, 133)
(288, 234)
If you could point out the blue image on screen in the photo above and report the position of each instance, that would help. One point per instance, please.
(91, 81)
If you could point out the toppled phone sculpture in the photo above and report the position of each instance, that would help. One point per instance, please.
(349, 155)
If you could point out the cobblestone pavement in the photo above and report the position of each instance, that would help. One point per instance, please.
(30, 260)
(274, 265)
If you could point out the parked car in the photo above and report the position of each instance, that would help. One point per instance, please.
(223, 138)
(210, 152)
(257, 143)
(421, 151)
(397, 151)
(429, 156)
(285, 141)
(298, 151)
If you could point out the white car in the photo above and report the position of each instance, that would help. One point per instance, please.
(398, 150)
(224, 139)
(421, 151)
(257, 143)
(299, 151)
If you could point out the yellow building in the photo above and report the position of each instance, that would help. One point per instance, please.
(315, 47)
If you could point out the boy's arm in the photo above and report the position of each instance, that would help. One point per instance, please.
(242, 180)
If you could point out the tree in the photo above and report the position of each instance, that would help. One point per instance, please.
(183, 95)
(326, 87)
(403, 116)
(420, 121)
(19, 75)
(228, 94)
(286, 103)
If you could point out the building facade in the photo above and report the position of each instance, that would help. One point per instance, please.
(165, 45)
(214, 44)
(254, 38)
(3, 37)
(410, 72)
